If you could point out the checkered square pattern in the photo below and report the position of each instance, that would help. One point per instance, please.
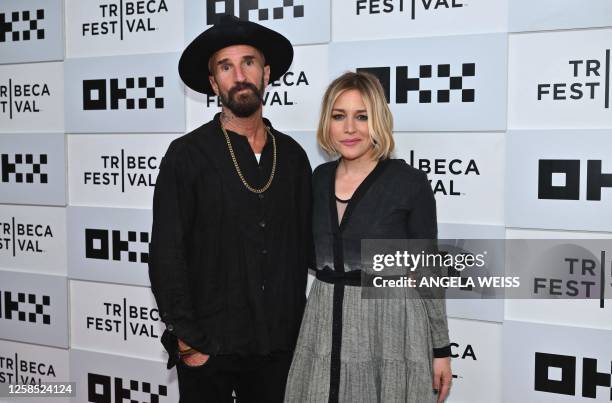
(21, 26)
(287, 10)
(23, 300)
(14, 172)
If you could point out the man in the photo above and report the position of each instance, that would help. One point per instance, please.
(231, 241)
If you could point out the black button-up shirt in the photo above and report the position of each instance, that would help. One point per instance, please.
(228, 267)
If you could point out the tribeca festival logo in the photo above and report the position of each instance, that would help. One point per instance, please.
(455, 167)
(24, 307)
(98, 96)
(590, 81)
(446, 85)
(555, 373)
(125, 320)
(278, 92)
(16, 370)
(408, 7)
(250, 11)
(124, 170)
(127, 17)
(21, 26)
(21, 98)
(106, 389)
(559, 179)
(22, 168)
(23, 238)
(106, 244)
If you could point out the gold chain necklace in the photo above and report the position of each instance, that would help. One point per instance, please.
(239, 172)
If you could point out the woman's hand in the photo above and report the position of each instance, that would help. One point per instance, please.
(194, 359)
(442, 376)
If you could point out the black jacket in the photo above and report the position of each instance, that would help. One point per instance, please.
(228, 267)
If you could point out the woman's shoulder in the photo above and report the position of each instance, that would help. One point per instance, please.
(324, 170)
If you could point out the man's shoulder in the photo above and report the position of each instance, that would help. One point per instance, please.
(190, 141)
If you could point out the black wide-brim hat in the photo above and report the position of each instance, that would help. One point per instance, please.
(228, 31)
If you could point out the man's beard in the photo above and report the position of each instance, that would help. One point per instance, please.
(243, 105)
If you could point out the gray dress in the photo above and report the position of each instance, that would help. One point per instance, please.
(367, 350)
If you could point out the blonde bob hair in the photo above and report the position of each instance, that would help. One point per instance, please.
(380, 120)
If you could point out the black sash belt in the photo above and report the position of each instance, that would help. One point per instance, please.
(330, 276)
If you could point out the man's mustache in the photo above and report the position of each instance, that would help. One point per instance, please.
(244, 86)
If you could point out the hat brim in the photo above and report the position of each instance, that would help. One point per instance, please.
(193, 65)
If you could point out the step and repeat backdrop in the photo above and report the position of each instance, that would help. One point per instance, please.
(505, 104)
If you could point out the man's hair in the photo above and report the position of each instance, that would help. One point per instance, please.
(380, 120)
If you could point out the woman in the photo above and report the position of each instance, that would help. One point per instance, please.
(366, 350)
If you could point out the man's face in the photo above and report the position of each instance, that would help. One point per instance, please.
(239, 77)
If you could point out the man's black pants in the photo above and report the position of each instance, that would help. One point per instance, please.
(254, 379)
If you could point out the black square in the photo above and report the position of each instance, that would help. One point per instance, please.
(132, 256)
(26, 35)
(46, 319)
(443, 70)
(468, 69)
(2, 18)
(40, 14)
(33, 24)
(150, 92)
(278, 13)
(425, 97)
(142, 103)
(133, 385)
(163, 390)
(30, 178)
(43, 158)
(43, 178)
(287, 3)
(443, 96)
(142, 82)
(130, 103)
(144, 237)
(25, 15)
(39, 308)
(159, 81)
(129, 82)
(29, 158)
(31, 298)
(456, 83)
(132, 236)
(32, 317)
(16, 36)
(46, 300)
(40, 34)
(22, 316)
(18, 158)
(146, 387)
(21, 297)
(144, 257)
(263, 14)
(298, 11)
(425, 71)
(467, 95)
(19, 178)
(15, 16)
(159, 103)
(36, 168)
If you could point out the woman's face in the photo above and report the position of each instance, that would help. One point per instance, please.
(349, 126)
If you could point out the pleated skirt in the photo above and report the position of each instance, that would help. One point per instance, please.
(385, 350)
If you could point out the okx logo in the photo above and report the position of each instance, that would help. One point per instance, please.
(106, 389)
(373, 7)
(126, 320)
(23, 238)
(23, 168)
(250, 10)
(105, 94)
(559, 179)
(16, 370)
(125, 17)
(21, 26)
(589, 80)
(111, 244)
(19, 97)
(557, 374)
(427, 84)
(24, 307)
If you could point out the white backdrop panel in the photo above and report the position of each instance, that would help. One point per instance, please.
(560, 80)
(33, 239)
(116, 27)
(378, 19)
(526, 15)
(453, 83)
(115, 319)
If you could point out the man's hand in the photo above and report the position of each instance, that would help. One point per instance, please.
(193, 360)
(442, 376)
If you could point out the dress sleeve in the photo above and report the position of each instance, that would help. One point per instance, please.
(173, 210)
(422, 224)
